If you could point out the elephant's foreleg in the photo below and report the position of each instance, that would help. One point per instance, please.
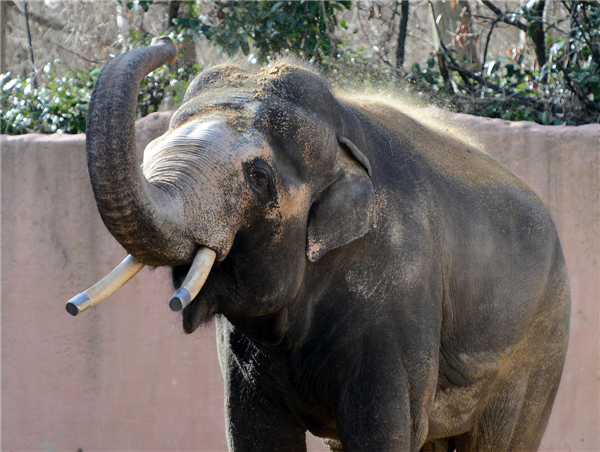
(374, 414)
(253, 424)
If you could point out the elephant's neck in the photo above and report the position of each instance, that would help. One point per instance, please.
(266, 332)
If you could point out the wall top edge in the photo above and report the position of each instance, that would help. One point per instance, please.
(592, 130)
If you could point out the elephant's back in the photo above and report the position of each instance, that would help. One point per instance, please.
(411, 153)
(431, 142)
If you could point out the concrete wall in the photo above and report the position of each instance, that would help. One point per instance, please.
(123, 376)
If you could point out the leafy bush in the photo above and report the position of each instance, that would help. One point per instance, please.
(163, 82)
(60, 104)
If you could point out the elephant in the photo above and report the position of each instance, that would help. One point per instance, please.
(378, 281)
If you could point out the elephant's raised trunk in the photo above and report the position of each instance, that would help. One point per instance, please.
(146, 219)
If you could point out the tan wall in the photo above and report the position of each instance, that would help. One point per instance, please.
(123, 376)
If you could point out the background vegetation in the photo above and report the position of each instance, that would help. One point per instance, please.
(519, 60)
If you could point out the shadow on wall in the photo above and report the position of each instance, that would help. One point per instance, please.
(124, 376)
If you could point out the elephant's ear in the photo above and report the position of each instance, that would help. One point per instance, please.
(342, 213)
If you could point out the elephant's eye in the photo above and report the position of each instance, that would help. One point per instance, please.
(260, 179)
(258, 174)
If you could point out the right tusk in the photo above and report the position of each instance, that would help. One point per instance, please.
(105, 287)
(195, 279)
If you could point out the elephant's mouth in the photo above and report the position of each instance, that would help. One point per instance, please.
(199, 311)
(196, 313)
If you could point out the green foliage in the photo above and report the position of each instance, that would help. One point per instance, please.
(134, 5)
(541, 93)
(60, 104)
(427, 76)
(273, 28)
(163, 82)
(564, 90)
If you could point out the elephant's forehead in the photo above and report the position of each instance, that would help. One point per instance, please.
(208, 136)
(236, 107)
(200, 130)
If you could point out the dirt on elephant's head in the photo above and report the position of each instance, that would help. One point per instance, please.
(235, 91)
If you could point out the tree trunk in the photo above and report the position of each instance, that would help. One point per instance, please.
(537, 33)
(402, 38)
(173, 12)
(3, 12)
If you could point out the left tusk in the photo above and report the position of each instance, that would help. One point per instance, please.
(105, 287)
(195, 279)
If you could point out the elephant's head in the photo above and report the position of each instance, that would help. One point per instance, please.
(257, 166)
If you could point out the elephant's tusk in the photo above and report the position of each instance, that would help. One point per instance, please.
(194, 280)
(105, 287)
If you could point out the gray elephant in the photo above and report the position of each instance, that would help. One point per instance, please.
(377, 281)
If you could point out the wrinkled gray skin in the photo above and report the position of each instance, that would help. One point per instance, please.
(378, 283)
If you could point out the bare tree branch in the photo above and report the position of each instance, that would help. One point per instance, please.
(529, 18)
(51, 24)
(503, 16)
(34, 78)
(76, 54)
(487, 42)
